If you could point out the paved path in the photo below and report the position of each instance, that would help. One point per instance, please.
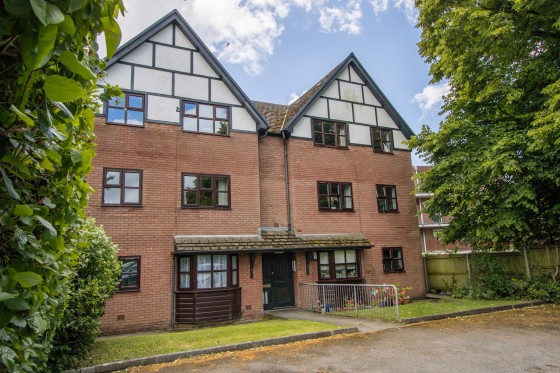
(362, 324)
(526, 340)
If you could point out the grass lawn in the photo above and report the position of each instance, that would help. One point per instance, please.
(110, 349)
(425, 308)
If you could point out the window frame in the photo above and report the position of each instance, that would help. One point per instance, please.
(386, 198)
(232, 276)
(330, 195)
(124, 289)
(214, 118)
(214, 191)
(391, 259)
(332, 265)
(126, 107)
(122, 187)
(391, 142)
(336, 134)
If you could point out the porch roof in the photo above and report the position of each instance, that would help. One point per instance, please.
(270, 240)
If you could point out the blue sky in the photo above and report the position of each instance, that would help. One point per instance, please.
(277, 49)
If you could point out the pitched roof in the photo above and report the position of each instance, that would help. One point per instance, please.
(174, 17)
(270, 240)
(295, 110)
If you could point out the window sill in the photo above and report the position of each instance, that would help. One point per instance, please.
(336, 210)
(206, 208)
(210, 290)
(111, 205)
(392, 272)
(330, 146)
(389, 212)
(131, 290)
(125, 125)
(207, 133)
(341, 280)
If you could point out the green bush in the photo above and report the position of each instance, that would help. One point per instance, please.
(95, 280)
(544, 288)
(489, 280)
(49, 68)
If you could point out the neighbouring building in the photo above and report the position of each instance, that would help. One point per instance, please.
(431, 227)
(222, 206)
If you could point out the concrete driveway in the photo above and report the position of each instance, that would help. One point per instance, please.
(525, 340)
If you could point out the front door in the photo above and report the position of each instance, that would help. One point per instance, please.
(278, 284)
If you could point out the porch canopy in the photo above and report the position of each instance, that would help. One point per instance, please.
(269, 241)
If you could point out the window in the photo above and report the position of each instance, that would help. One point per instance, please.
(382, 140)
(329, 134)
(208, 271)
(335, 196)
(205, 118)
(205, 191)
(392, 259)
(130, 273)
(339, 264)
(126, 110)
(387, 198)
(122, 187)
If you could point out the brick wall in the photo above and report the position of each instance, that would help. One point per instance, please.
(162, 152)
(273, 182)
(364, 169)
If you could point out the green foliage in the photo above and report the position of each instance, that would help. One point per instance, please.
(95, 280)
(544, 288)
(489, 280)
(46, 148)
(496, 156)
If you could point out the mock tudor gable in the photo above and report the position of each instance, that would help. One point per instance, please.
(349, 95)
(168, 63)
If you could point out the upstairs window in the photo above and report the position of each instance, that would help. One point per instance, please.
(127, 110)
(122, 187)
(335, 196)
(339, 265)
(393, 259)
(387, 198)
(382, 140)
(210, 191)
(130, 273)
(330, 134)
(205, 118)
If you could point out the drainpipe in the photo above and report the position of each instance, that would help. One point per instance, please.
(174, 265)
(287, 180)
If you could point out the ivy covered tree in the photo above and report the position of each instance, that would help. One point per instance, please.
(496, 156)
(48, 71)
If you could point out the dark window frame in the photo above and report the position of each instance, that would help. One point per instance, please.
(124, 289)
(336, 134)
(332, 265)
(213, 189)
(126, 107)
(386, 199)
(214, 117)
(329, 195)
(378, 132)
(232, 273)
(122, 187)
(389, 257)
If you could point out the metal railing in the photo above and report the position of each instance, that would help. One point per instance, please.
(379, 302)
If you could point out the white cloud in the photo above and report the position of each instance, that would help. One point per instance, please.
(405, 6)
(431, 97)
(294, 96)
(339, 19)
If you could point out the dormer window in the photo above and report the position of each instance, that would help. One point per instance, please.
(330, 134)
(382, 140)
(205, 118)
(127, 110)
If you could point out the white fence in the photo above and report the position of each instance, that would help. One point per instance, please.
(379, 302)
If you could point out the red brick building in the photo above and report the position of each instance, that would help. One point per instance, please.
(221, 206)
(430, 227)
